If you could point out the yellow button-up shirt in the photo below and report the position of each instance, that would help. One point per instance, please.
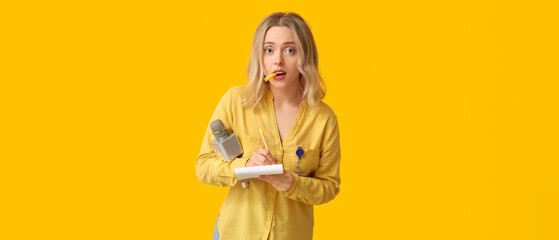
(259, 211)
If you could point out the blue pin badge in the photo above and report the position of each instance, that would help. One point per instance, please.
(299, 152)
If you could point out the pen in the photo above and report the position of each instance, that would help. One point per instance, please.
(266, 79)
(264, 138)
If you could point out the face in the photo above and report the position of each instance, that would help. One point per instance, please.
(280, 55)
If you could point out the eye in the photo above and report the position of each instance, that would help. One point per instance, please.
(268, 50)
(290, 50)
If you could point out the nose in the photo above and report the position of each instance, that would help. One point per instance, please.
(278, 59)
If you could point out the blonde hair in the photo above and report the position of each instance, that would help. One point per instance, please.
(311, 82)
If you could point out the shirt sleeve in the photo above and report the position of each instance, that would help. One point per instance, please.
(325, 184)
(210, 168)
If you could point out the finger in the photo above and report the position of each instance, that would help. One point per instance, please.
(262, 159)
(268, 162)
(257, 154)
(276, 177)
(253, 160)
(254, 163)
(255, 179)
(268, 179)
(265, 153)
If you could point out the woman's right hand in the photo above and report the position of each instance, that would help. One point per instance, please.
(261, 157)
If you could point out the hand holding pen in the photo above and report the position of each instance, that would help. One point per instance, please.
(261, 156)
(281, 182)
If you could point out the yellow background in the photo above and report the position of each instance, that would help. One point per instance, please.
(447, 112)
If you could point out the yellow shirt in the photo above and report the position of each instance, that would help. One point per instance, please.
(259, 211)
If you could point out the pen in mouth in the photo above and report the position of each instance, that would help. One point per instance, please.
(270, 76)
(278, 73)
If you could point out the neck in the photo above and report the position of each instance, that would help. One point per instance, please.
(291, 96)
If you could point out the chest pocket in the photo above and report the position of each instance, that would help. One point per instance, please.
(249, 144)
(307, 165)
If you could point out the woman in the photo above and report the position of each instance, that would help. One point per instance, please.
(301, 131)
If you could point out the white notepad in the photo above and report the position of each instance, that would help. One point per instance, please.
(255, 171)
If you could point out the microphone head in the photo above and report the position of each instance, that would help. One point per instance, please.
(218, 129)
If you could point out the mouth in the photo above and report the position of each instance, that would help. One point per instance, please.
(278, 74)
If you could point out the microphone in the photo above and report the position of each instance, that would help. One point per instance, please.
(226, 144)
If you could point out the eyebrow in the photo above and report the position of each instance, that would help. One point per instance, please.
(285, 43)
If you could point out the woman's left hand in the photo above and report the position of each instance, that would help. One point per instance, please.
(282, 182)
